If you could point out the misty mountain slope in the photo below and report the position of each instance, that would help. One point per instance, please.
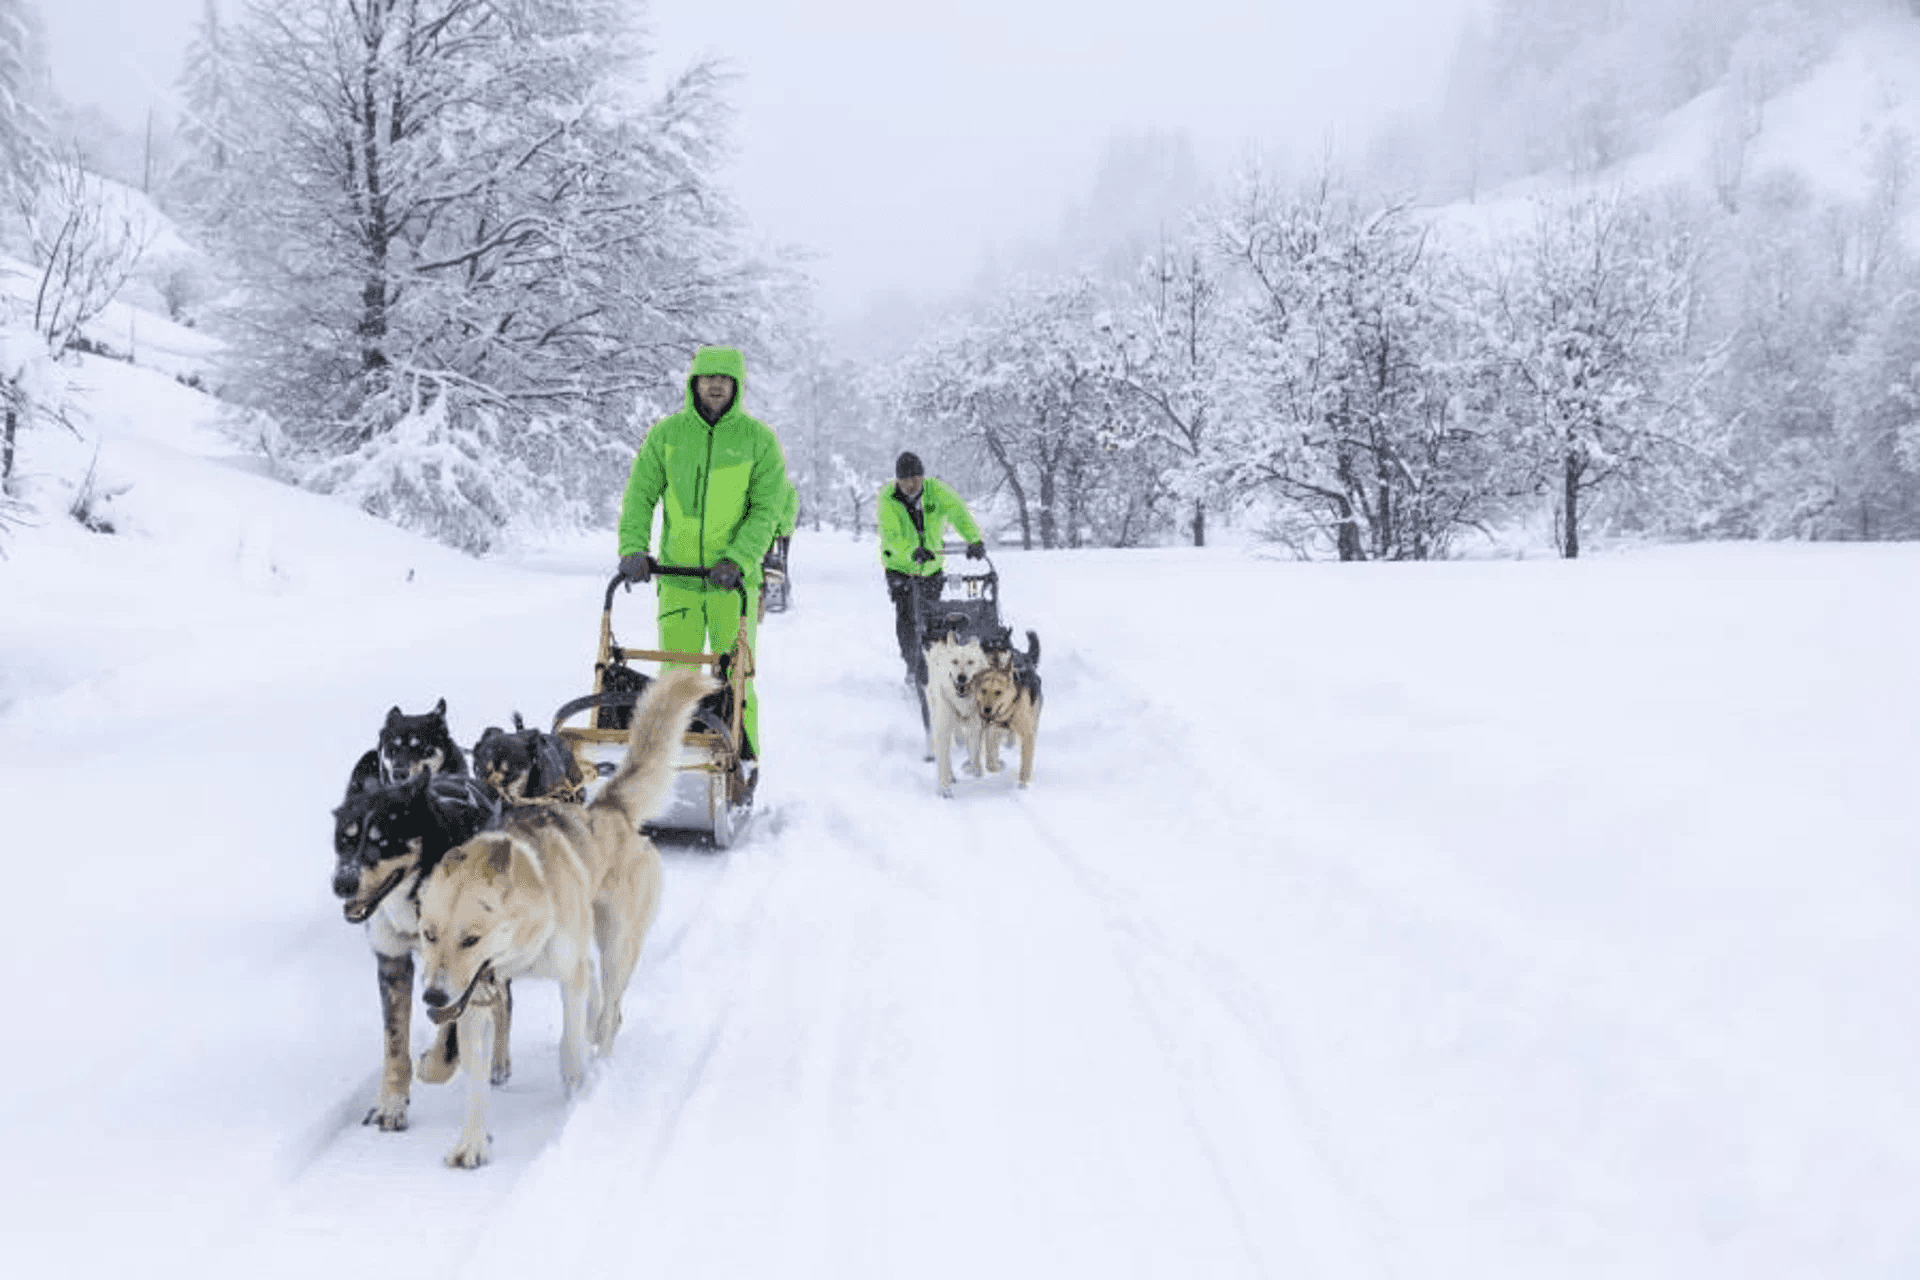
(1831, 126)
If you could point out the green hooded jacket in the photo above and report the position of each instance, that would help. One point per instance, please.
(899, 538)
(720, 486)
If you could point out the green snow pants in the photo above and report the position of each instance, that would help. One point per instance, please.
(696, 618)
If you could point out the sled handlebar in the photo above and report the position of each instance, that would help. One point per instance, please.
(659, 570)
(958, 550)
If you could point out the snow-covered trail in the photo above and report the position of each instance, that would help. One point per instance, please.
(903, 1019)
(1321, 947)
(935, 994)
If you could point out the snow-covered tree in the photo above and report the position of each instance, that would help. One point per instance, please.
(462, 216)
(84, 245)
(22, 131)
(210, 91)
(1174, 347)
(1028, 385)
(1353, 407)
(839, 439)
(1876, 465)
(1589, 321)
(33, 393)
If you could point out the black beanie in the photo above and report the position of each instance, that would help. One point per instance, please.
(907, 466)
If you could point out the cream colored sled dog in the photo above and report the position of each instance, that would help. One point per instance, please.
(950, 710)
(535, 897)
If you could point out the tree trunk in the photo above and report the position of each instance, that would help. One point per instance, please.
(1348, 535)
(1012, 474)
(1384, 547)
(1049, 530)
(1199, 524)
(372, 329)
(1570, 533)
(6, 445)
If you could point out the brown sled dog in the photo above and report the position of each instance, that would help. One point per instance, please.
(1007, 697)
(537, 896)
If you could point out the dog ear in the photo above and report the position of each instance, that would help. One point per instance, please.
(393, 715)
(440, 708)
(499, 859)
(493, 731)
(519, 725)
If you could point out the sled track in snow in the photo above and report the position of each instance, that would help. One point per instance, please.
(352, 1188)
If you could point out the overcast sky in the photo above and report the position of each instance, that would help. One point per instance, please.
(903, 139)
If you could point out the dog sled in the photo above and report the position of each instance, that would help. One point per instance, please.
(968, 606)
(969, 602)
(713, 790)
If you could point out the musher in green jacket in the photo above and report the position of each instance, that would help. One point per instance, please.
(914, 513)
(719, 478)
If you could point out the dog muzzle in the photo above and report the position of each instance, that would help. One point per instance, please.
(357, 911)
(480, 991)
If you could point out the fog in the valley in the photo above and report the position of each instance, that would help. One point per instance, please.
(907, 146)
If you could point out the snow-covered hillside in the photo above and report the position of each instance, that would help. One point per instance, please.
(1831, 126)
(1504, 919)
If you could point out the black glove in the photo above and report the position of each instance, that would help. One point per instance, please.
(976, 551)
(725, 573)
(922, 556)
(637, 567)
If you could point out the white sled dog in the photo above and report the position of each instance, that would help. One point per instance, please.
(951, 664)
(533, 898)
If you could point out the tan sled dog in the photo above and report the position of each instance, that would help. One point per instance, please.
(535, 897)
(1007, 696)
(1009, 708)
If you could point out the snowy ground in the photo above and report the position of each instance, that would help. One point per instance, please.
(1499, 919)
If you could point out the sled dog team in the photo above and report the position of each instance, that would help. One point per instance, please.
(510, 870)
(982, 692)
(488, 879)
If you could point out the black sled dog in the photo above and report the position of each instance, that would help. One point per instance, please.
(528, 766)
(408, 745)
(385, 840)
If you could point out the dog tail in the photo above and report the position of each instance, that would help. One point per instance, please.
(1033, 648)
(642, 784)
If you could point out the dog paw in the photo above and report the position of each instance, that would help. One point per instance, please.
(946, 792)
(435, 1065)
(502, 1072)
(387, 1114)
(972, 769)
(470, 1153)
(571, 1083)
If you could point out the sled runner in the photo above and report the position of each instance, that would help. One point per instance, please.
(713, 791)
